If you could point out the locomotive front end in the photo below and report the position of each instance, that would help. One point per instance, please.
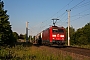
(58, 35)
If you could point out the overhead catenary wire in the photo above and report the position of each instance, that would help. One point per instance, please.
(81, 16)
(86, 3)
(54, 15)
(41, 28)
(78, 14)
(63, 14)
(83, 5)
(65, 6)
(62, 9)
(77, 5)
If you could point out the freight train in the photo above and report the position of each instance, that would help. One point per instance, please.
(52, 35)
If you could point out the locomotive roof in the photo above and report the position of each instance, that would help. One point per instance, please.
(53, 27)
(58, 27)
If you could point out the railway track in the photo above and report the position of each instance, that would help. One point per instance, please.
(75, 52)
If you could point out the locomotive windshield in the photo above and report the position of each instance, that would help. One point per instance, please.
(58, 30)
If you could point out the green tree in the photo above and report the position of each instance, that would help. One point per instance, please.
(82, 40)
(73, 38)
(15, 34)
(82, 35)
(6, 36)
(22, 36)
(86, 32)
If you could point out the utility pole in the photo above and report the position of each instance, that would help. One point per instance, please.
(68, 26)
(27, 31)
(54, 21)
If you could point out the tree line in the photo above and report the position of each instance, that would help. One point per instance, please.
(81, 36)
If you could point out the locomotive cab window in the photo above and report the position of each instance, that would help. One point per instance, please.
(58, 30)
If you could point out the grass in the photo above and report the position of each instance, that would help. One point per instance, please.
(20, 52)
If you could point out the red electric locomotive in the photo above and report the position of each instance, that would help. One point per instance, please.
(52, 35)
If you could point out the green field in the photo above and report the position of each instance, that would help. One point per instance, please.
(21, 52)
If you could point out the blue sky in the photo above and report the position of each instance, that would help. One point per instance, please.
(40, 12)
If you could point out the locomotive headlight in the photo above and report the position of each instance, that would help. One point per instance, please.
(53, 35)
(53, 38)
(61, 35)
